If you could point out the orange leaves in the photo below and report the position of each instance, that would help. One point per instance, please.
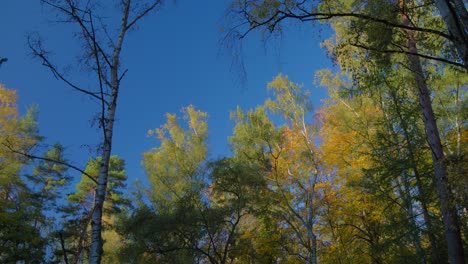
(347, 133)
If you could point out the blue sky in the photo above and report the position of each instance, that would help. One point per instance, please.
(174, 59)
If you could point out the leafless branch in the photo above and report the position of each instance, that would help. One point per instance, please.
(31, 156)
(71, 12)
(99, 74)
(41, 54)
(143, 13)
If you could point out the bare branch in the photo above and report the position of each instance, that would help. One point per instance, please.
(30, 156)
(3, 60)
(41, 54)
(99, 74)
(71, 12)
(143, 13)
(122, 75)
(315, 16)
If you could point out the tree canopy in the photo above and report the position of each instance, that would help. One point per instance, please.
(375, 174)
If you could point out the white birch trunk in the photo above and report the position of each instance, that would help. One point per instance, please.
(96, 247)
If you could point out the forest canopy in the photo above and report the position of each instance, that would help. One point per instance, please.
(375, 174)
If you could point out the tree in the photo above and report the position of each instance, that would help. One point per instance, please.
(302, 163)
(102, 55)
(291, 161)
(455, 17)
(381, 28)
(370, 205)
(77, 213)
(20, 239)
(270, 16)
(197, 207)
(174, 168)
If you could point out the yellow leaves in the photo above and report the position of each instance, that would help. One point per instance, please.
(173, 165)
(348, 133)
(8, 111)
(15, 133)
(280, 83)
(247, 235)
(196, 120)
(7, 97)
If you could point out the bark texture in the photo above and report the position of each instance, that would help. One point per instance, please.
(449, 213)
(455, 17)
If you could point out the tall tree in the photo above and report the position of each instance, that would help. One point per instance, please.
(270, 16)
(102, 55)
(378, 27)
(174, 168)
(292, 166)
(20, 238)
(77, 213)
(455, 17)
(197, 208)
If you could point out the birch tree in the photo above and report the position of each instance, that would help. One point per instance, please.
(102, 55)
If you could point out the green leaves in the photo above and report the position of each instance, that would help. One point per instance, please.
(174, 167)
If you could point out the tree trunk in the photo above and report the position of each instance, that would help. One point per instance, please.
(449, 213)
(454, 14)
(310, 227)
(419, 185)
(96, 249)
(83, 17)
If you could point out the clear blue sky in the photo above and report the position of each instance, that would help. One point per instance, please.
(174, 59)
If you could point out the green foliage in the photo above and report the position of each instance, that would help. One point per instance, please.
(20, 213)
(173, 167)
(76, 214)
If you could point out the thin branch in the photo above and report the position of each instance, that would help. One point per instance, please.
(143, 13)
(62, 243)
(281, 15)
(410, 53)
(71, 12)
(41, 54)
(122, 75)
(30, 156)
(99, 73)
(3, 60)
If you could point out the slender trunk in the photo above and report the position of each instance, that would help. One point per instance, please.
(62, 244)
(421, 196)
(311, 207)
(435, 258)
(408, 207)
(314, 249)
(461, 11)
(403, 182)
(96, 248)
(310, 228)
(449, 213)
(455, 16)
